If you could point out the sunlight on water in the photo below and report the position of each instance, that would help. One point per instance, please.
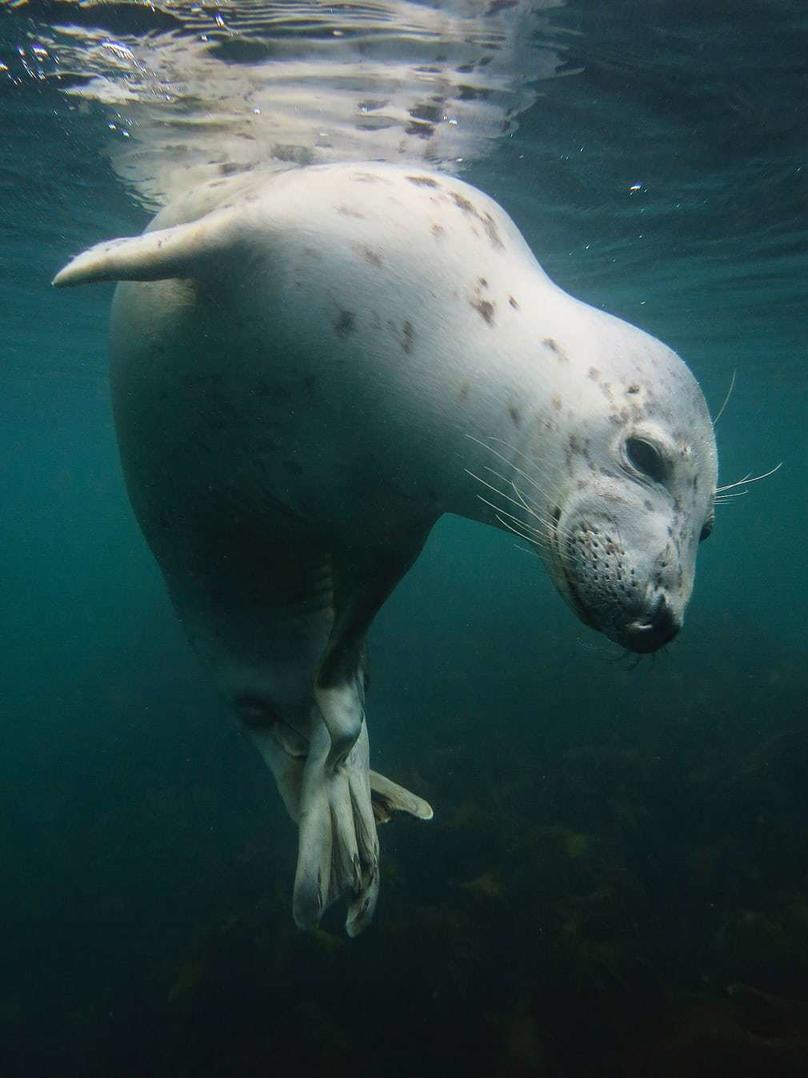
(201, 91)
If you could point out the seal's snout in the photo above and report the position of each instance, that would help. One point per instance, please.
(618, 587)
(649, 634)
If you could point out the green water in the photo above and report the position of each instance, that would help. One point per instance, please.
(616, 879)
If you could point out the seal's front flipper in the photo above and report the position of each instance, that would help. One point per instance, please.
(388, 797)
(182, 251)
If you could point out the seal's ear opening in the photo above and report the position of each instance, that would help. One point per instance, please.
(181, 251)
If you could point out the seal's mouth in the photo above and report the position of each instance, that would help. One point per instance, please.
(644, 635)
(641, 635)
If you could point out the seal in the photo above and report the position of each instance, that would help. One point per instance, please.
(308, 369)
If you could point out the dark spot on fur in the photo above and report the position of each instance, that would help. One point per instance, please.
(513, 412)
(485, 308)
(482, 282)
(490, 226)
(438, 231)
(633, 389)
(464, 204)
(345, 323)
(369, 255)
(423, 181)
(464, 391)
(367, 177)
(648, 505)
(409, 337)
(513, 303)
(593, 373)
(312, 252)
(556, 349)
(486, 220)
(347, 211)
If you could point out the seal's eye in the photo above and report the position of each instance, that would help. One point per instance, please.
(646, 458)
(707, 528)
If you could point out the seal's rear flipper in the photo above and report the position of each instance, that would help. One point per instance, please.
(181, 251)
(388, 797)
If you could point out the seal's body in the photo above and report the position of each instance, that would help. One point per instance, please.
(310, 369)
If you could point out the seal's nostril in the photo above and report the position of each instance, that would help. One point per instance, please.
(663, 620)
(654, 631)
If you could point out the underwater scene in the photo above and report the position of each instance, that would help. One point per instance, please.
(347, 468)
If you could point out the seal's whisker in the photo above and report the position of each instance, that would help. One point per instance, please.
(522, 535)
(533, 538)
(603, 653)
(749, 478)
(726, 399)
(537, 543)
(545, 524)
(530, 460)
(544, 527)
(522, 500)
(520, 471)
(525, 550)
(502, 494)
(541, 535)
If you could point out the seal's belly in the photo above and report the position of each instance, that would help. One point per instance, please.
(207, 418)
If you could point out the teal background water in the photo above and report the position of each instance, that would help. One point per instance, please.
(616, 880)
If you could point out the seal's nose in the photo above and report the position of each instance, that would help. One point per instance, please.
(648, 634)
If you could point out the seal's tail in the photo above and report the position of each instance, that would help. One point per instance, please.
(388, 797)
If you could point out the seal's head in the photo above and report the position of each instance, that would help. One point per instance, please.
(635, 492)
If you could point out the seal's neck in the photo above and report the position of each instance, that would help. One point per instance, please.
(530, 394)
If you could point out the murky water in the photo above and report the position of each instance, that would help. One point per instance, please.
(615, 881)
